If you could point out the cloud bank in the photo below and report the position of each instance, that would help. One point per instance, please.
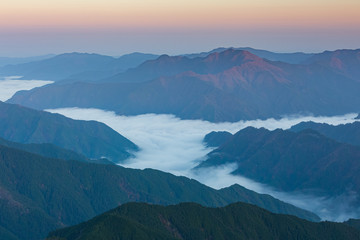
(10, 85)
(173, 145)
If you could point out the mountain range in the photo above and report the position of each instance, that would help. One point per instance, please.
(293, 58)
(56, 172)
(20, 60)
(39, 194)
(305, 161)
(345, 133)
(78, 66)
(230, 86)
(192, 221)
(89, 138)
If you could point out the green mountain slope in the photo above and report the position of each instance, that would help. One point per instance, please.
(90, 138)
(354, 223)
(46, 150)
(39, 194)
(192, 221)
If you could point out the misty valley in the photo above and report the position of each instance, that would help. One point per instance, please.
(235, 143)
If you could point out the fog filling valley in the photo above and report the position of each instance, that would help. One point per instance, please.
(10, 85)
(173, 145)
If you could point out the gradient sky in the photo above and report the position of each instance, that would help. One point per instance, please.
(115, 27)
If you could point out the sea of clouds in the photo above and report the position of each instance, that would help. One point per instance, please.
(10, 85)
(173, 145)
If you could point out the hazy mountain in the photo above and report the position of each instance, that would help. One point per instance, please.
(171, 65)
(19, 60)
(76, 66)
(58, 67)
(294, 58)
(304, 161)
(216, 139)
(119, 65)
(228, 86)
(346, 133)
(90, 138)
(345, 61)
(193, 221)
(39, 194)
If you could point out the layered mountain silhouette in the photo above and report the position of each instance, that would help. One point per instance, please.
(89, 138)
(166, 65)
(75, 66)
(345, 61)
(193, 221)
(40, 194)
(294, 58)
(228, 86)
(305, 161)
(19, 60)
(346, 133)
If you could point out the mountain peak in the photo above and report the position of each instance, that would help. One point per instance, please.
(232, 55)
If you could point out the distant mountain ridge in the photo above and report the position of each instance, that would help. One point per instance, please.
(39, 194)
(345, 61)
(90, 138)
(19, 60)
(167, 65)
(75, 66)
(228, 86)
(293, 58)
(192, 221)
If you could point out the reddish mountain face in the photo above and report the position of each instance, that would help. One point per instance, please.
(168, 66)
(346, 62)
(227, 86)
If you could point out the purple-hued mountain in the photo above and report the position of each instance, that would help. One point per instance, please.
(226, 86)
(294, 58)
(346, 62)
(166, 66)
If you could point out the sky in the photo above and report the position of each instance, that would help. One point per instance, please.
(116, 27)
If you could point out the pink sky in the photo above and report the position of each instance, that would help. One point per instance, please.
(114, 27)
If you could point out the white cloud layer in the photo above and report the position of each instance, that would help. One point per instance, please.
(10, 85)
(173, 145)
